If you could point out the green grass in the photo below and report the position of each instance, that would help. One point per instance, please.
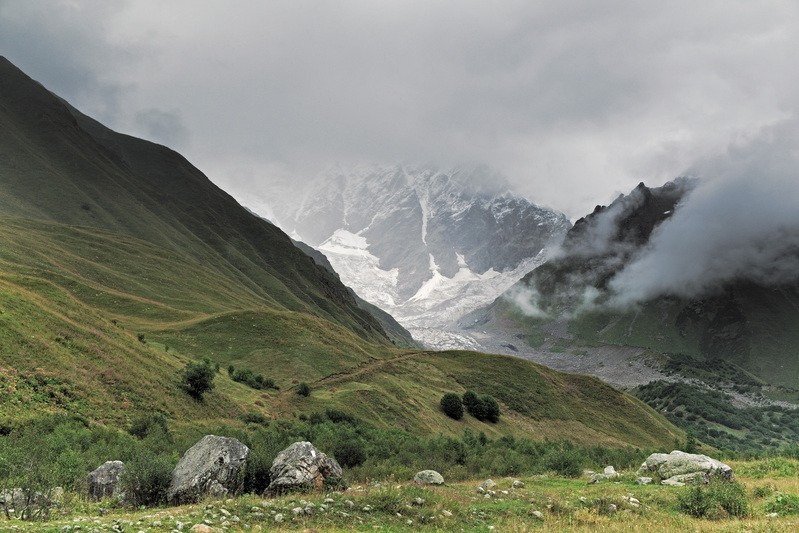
(398, 505)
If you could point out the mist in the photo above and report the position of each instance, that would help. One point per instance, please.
(740, 223)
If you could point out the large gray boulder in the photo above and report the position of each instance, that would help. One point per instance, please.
(104, 481)
(212, 467)
(681, 467)
(301, 466)
(431, 477)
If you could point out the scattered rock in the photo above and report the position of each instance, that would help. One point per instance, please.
(446, 513)
(609, 471)
(201, 528)
(301, 466)
(279, 517)
(298, 510)
(212, 467)
(418, 501)
(428, 477)
(675, 465)
(772, 515)
(517, 484)
(612, 508)
(487, 484)
(672, 483)
(104, 480)
(644, 480)
(538, 514)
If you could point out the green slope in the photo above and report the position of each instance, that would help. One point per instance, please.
(120, 262)
(57, 164)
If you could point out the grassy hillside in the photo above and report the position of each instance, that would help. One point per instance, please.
(59, 165)
(75, 300)
(120, 262)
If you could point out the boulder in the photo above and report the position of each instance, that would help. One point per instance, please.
(212, 467)
(104, 481)
(677, 463)
(301, 466)
(487, 484)
(608, 473)
(428, 477)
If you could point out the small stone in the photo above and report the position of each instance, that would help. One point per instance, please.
(609, 471)
(612, 508)
(298, 510)
(517, 484)
(409, 522)
(644, 480)
(505, 492)
(329, 501)
(201, 528)
(279, 517)
(367, 509)
(772, 515)
(349, 503)
(418, 501)
(538, 514)
(446, 513)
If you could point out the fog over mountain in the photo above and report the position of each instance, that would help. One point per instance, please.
(575, 102)
(741, 222)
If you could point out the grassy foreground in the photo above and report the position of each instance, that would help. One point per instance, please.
(394, 505)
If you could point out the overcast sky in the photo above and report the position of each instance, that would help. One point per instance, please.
(573, 101)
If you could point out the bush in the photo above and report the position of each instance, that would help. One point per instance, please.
(149, 424)
(452, 405)
(198, 378)
(719, 499)
(303, 389)
(146, 478)
(564, 461)
(483, 408)
(783, 504)
(349, 453)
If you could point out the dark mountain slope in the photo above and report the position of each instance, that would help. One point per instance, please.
(743, 323)
(57, 164)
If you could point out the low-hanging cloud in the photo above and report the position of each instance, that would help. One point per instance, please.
(741, 223)
(573, 101)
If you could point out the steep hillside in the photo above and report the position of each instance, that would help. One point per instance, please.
(57, 164)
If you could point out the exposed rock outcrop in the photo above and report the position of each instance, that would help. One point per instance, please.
(212, 467)
(677, 468)
(104, 481)
(301, 466)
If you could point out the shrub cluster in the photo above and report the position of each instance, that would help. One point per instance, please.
(251, 379)
(719, 499)
(483, 407)
(452, 405)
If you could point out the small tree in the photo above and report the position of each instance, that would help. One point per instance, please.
(198, 378)
(490, 408)
(452, 405)
(303, 389)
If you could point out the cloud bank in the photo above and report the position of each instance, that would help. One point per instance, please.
(740, 223)
(573, 101)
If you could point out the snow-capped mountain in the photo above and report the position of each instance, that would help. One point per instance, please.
(425, 245)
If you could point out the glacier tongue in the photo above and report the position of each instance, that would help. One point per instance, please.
(424, 244)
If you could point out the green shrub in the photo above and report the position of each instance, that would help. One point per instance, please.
(149, 424)
(718, 499)
(783, 504)
(146, 478)
(303, 389)
(452, 405)
(198, 378)
(483, 408)
(565, 461)
(490, 408)
(349, 453)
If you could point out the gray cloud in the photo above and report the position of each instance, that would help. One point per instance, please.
(741, 222)
(165, 127)
(573, 101)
